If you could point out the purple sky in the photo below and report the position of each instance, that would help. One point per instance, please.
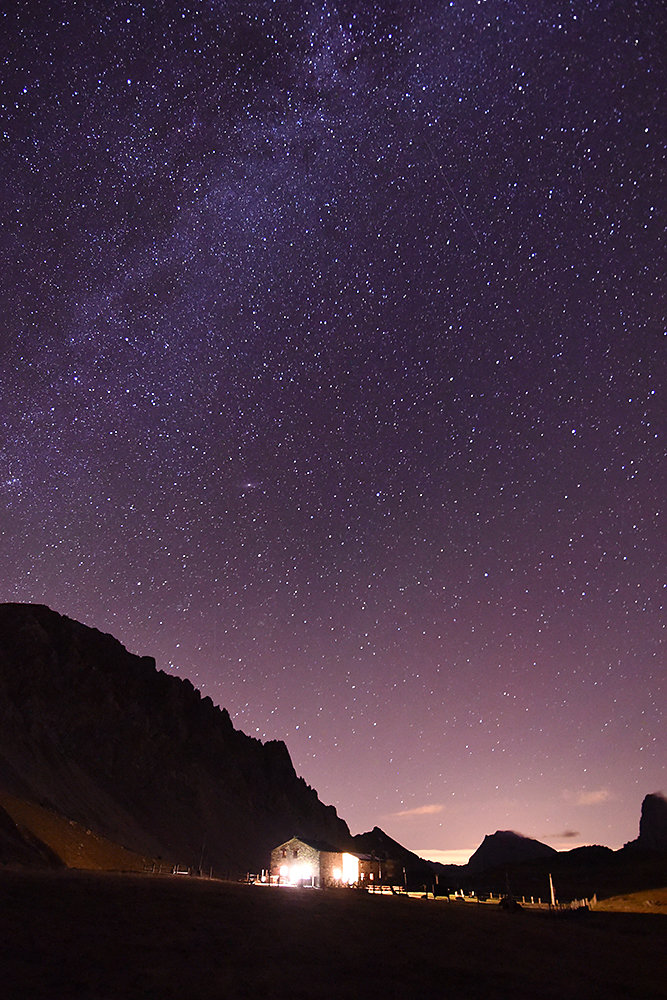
(331, 374)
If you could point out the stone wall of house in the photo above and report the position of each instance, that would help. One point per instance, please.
(370, 870)
(295, 852)
(329, 862)
(277, 860)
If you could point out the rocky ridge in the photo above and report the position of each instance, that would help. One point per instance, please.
(99, 735)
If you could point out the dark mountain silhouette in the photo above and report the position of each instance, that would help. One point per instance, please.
(652, 824)
(103, 738)
(380, 844)
(504, 847)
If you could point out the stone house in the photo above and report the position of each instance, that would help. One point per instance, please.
(314, 863)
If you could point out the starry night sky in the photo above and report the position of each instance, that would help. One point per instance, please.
(330, 368)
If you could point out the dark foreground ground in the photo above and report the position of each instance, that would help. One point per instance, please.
(93, 936)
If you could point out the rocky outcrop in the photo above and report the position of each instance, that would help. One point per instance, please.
(505, 847)
(652, 824)
(100, 736)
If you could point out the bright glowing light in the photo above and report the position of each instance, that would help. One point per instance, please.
(350, 869)
(300, 873)
(284, 871)
(337, 874)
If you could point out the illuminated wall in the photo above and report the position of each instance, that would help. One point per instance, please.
(296, 862)
(350, 873)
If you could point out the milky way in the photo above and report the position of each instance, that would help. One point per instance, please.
(331, 373)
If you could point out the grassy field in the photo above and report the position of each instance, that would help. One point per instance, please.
(652, 901)
(72, 935)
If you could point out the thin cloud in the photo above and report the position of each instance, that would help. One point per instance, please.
(593, 798)
(566, 835)
(429, 810)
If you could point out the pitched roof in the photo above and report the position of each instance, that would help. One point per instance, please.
(317, 845)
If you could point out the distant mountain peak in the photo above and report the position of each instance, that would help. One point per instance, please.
(506, 847)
